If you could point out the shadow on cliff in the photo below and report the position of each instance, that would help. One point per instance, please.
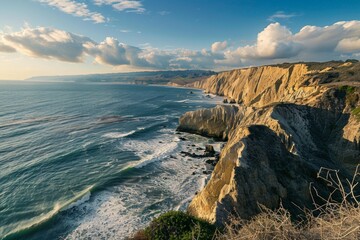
(263, 166)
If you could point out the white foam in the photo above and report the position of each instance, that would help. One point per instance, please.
(118, 134)
(82, 200)
(183, 101)
(151, 150)
(78, 199)
(118, 212)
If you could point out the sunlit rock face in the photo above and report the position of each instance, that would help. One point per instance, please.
(292, 120)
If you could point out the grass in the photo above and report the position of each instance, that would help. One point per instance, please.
(335, 219)
(356, 112)
(347, 89)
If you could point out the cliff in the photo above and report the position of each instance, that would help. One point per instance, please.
(292, 120)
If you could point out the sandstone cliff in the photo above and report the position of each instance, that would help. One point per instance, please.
(292, 119)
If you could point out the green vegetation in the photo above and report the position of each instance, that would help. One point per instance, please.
(352, 99)
(177, 225)
(356, 112)
(347, 89)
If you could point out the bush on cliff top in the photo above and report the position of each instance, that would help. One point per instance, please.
(335, 219)
(177, 225)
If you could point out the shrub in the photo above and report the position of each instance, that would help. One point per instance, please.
(356, 112)
(335, 219)
(176, 225)
(347, 89)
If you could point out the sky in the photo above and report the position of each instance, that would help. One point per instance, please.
(67, 37)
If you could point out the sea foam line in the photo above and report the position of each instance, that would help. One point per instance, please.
(118, 134)
(80, 198)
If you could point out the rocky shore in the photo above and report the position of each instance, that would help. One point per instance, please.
(289, 120)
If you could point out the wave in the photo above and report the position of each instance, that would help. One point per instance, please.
(114, 119)
(182, 101)
(118, 134)
(32, 224)
(27, 121)
(151, 150)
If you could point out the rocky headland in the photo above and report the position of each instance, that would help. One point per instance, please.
(288, 121)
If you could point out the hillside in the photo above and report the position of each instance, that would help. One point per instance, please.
(175, 78)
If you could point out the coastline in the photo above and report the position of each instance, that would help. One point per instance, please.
(154, 137)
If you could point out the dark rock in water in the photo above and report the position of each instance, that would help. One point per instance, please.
(209, 151)
(208, 96)
(173, 157)
(225, 100)
(209, 161)
(212, 162)
(193, 173)
(232, 101)
(191, 92)
(182, 139)
(193, 145)
(205, 172)
(199, 148)
(160, 142)
(177, 132)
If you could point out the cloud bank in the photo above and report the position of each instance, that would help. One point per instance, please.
(276, 43)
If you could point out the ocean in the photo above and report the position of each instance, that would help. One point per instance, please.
(94, 161)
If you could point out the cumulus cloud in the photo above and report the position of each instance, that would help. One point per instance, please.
(310, 43)
(112, 52)
(349, 45)
(123, 5)
(219, 46)
(76, 9)
(48, 43)
(5, 48)
(275, 43)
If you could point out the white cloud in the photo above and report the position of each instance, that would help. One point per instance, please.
(123, 5)
(310, 43)
(349, 45)
(219, 46)
(112, 52)
(5, 48)
(76, 9)
(281, 15)
(276, 43)
(48, 43)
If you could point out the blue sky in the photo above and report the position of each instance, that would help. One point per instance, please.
(52, 37)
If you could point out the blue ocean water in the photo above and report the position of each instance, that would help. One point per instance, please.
(92, 161)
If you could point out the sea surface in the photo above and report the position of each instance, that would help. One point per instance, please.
(93, 161)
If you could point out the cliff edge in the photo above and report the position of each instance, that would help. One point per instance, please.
(289, 121)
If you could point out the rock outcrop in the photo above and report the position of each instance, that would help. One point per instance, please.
(295, 119)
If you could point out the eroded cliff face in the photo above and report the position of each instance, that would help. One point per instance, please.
(296, 83)
(292, 121)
